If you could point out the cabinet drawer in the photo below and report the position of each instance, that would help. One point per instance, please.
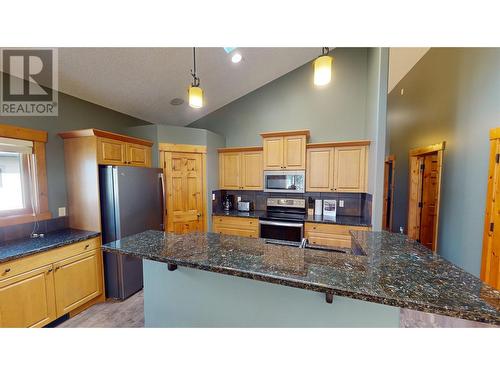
(31, 262)
(332, 228)
(329, 240)
(236, 221)
(236, 231)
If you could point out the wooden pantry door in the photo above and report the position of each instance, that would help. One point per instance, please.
(185, 187)
(490, 263)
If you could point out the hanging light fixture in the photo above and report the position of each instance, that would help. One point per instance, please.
(195, 92)
(323, 68)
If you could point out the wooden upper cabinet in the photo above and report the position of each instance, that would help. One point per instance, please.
(337, 166)
(294, 152)
(319, 175)
(350, 169)
(285, 150)
(116, 149)
(241, 170)
(110, 151)
(230, 170)
(273, 153)
(251, 170)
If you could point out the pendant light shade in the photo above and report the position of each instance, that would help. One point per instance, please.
(323, 68)
(195, 93)
(195, 97)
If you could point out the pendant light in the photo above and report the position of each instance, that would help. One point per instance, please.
(323, 68)
(195, 92)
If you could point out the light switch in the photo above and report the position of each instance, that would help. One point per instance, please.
(213, 196)
(239, 199)
(341, 203)
(62, 211)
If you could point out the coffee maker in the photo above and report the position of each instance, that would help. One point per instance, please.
(227, 202)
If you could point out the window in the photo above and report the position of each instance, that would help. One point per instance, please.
(23, 185)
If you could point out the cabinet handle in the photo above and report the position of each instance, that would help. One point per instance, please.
(7, 270)
(49, 270)
(87, 246)
(57, 268)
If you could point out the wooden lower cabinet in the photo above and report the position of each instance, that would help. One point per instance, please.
(236, 226)
(76, 281)
(37, 289)
(332, 235)
(27, 300)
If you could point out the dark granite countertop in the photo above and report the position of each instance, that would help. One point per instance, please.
(339, 220)
(236, 213)
(395, 271)
(10, 250)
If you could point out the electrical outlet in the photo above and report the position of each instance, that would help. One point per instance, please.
(213, 196)
(62, 211)
(341, 203)
(238, 199)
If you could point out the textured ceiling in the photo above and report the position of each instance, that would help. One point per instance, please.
(141, 82)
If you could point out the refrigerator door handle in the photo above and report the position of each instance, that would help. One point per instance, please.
(163, 200)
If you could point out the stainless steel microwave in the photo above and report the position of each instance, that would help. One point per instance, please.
(284, 181)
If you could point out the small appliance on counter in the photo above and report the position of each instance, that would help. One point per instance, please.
(330, 209)
(227, 202)
(245, 206)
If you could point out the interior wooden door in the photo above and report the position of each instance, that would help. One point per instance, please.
(429, 200)
(294, 152)
(184, 176)
(27, 300)
(319, 171)
(230, 170)
(76, 281)
(414, 197)
(273, 153)
(251, 170)
(490, 263)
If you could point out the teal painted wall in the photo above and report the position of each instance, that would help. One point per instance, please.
(334, 112)
(74, 113)
(452, 95)
(195, 298)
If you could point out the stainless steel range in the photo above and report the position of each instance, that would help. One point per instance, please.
(284, 219)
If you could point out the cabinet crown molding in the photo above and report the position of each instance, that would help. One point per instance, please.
(104, 134)
(338, 144)
(240, 149)
(286, 133)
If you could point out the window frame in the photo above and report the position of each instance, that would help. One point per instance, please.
(39, 139)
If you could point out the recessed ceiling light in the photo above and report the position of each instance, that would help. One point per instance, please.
(236, 58)
(177, 101)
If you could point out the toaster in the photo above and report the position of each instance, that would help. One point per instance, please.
(245, 206)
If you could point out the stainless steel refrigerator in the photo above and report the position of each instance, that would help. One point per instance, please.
(132, 201)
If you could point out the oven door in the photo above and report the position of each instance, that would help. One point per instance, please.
(284, 181)
(282, 230)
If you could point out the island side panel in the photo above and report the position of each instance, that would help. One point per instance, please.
(194, 298)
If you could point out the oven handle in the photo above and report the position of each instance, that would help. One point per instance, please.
(281, 224)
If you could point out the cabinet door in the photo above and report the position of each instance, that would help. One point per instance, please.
(27, 300)
(294, 156)
(251, 170)
(110, 151)
(319, 171)
(350, 169)
(273, 153)
(138, 155)
(230, 170)
(76, 281)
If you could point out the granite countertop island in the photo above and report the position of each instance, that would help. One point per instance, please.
(11, 250)
(395, 271)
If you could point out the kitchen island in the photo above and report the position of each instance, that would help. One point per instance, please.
(294, 285)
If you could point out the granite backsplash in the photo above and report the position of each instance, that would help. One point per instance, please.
(18, 231)
(355, 204)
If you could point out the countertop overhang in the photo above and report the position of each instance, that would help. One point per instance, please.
(396, 271)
